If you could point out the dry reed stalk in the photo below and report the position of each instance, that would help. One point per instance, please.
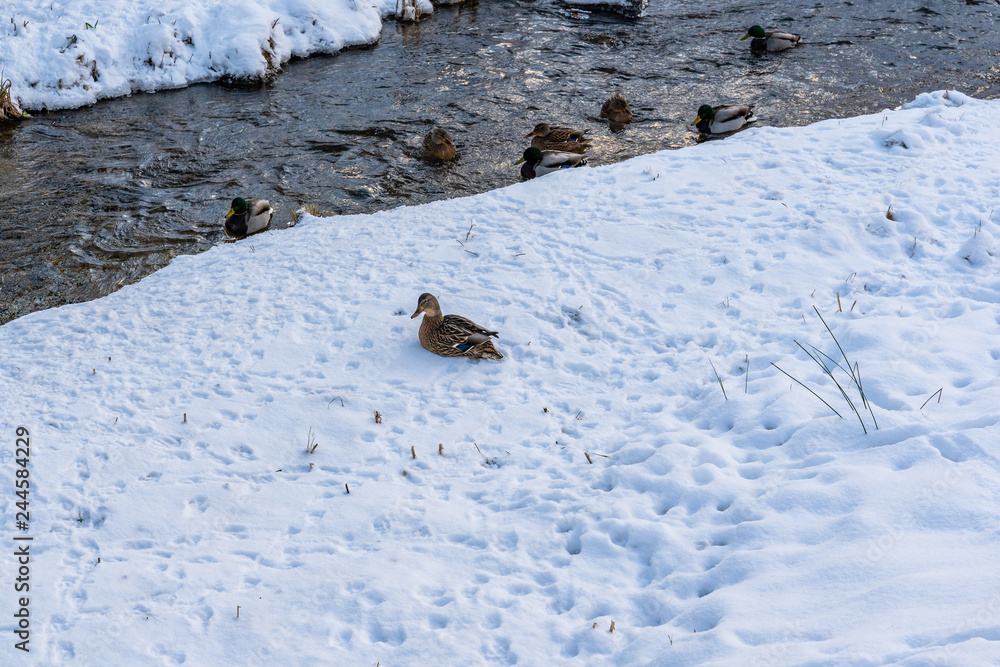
(8, 109)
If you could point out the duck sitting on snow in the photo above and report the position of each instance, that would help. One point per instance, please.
(722, 119)
(248, 216)
(770, 40)
(617, 109)
(556, 138)
(438, 143)
(538, 162)
(452, 335)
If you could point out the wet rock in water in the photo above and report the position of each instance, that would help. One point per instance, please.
(412, 10)
(630, 8)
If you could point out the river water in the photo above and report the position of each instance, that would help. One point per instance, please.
(96, 198)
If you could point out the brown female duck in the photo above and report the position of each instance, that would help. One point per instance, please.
(452, 335)
(439, 144)
(555, 138)
(617, 109)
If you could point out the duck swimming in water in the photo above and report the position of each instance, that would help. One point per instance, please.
(771, 41)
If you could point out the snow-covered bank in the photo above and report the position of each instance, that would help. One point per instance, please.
(596, 474)
(67, 54)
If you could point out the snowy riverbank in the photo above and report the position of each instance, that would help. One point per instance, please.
(65, 55)
(596, 474)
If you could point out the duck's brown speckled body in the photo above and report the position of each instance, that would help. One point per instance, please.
(556, 138)
(453, 335)
(617, 109)
(438, 143)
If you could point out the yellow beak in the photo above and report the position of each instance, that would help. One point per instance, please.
(231, 213)
(519, 161)
(696, 120)
(746, 36)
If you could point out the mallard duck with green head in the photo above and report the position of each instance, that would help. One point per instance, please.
(617, 109)
(771, 41)
(452, 335)
(723, 118)
(248, 216)
(557, 138)
(438, 143)
(537, 162)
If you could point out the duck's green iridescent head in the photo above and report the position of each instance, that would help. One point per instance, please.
(532, 155)
(238, 207)
(705, 112)
(754, 31)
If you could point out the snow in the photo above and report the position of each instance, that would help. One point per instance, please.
(169, 423)
(62, 54)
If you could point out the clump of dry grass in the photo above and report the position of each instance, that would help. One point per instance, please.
(311, 443)
(852, 371)
(407, 10)
(311, 209)
(8, 109)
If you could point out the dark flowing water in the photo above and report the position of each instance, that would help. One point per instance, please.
(95, 198)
